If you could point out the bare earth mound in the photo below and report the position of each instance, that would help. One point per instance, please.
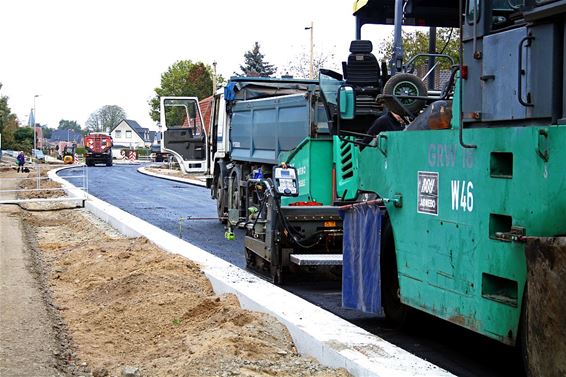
(127, 303)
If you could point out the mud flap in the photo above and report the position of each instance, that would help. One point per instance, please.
(361, 272)
(546, 306)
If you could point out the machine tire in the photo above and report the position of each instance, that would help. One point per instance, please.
(220, 194)
(236, 190)
(276, 275)
(405, 84)
(395, 310)
(522, 341)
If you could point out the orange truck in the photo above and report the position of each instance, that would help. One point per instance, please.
(98, 149)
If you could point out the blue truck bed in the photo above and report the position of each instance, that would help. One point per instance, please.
(263, 128)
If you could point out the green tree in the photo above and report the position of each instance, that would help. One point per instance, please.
(8, 131)
(46, 131)
(105, 118)
(69, 125)
(299, 66)
(255, 66)
(23, 139)
(8, 124)
(447, 42)
(183, 78)
(5, 111)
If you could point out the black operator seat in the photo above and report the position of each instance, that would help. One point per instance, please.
(362, 70)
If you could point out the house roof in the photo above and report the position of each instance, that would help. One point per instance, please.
(64, 135)
(139, 130)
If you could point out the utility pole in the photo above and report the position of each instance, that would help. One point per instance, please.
(34, 151)
(34, 123)
(214, 78)
(311, 63)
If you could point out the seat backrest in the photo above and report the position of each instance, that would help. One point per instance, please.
(362, 68)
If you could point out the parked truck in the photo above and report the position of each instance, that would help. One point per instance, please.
(98, 147)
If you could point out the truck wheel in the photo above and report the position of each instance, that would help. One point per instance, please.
(405, 84)
(235, 191)
(220, 194)
(394, 309)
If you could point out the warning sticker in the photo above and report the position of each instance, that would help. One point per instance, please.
(427, 197)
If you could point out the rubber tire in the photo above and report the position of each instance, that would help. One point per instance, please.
(405, 83)
(220, 200)
(237, 194)
(395, 310)
(522, 341)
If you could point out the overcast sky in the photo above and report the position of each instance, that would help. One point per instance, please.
(81, 55)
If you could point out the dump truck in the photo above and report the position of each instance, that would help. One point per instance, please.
(98, 147)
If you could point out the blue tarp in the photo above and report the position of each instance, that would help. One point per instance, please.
(361, 272)
(230, 91)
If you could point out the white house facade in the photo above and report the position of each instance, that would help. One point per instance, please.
(129, 134)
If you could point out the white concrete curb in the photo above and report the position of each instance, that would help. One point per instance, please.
(316, 332)
(195, 182)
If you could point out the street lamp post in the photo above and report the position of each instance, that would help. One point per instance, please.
(34, 123)
(311, 63)
(34, 151)
(214, 78)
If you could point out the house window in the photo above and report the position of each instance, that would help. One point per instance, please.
(118, 134)
(128, 134)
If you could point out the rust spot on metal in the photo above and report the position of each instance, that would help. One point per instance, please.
(458, 319)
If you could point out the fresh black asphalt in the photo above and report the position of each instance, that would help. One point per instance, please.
(184, 210)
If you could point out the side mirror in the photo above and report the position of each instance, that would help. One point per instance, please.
(346, 100)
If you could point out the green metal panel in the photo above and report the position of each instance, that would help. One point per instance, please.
(346, 162)
(451, 262)
(313, 161)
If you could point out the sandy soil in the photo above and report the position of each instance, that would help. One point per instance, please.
(123, 302)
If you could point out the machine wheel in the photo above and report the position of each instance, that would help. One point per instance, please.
(220, 194)
(394, 309)
(250, 260)
(235, 190)
(276, 275)
(522, 341)
(405, 84)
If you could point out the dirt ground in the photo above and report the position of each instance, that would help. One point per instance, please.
(173, 172)
(120, 305)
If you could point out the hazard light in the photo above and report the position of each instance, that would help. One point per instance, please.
(329, 224)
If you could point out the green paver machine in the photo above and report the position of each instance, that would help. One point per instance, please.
(469, 217)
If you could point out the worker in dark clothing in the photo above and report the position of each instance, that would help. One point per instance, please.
(21, 160)
(387, 122)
